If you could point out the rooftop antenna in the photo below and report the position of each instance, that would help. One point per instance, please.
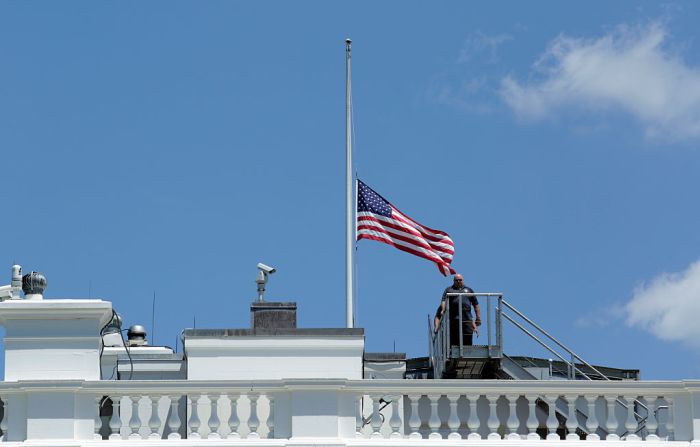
(153, 320)
(264, 271)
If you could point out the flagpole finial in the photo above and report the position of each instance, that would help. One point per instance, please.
(348, 41)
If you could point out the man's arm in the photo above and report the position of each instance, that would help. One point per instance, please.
(477, 311)
(438, 316)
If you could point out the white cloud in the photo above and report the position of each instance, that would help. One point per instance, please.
(629, 69)
(466, 97)
(479, 42)
(601, 317)
(669, 306)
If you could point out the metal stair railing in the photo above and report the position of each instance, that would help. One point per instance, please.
(439, 342)
(439, 346)
(572, 368)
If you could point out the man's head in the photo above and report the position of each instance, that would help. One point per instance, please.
(458, 280)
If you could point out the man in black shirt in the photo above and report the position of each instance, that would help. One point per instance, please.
(469, 326)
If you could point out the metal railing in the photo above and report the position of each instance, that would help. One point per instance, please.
(571, 361)
(572, 368)
(440, 348)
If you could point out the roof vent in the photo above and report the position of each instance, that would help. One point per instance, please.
(137, 336)
(33, 285)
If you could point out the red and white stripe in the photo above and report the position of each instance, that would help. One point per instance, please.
(406, 234)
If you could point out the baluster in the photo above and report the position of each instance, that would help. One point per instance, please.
(233, 421)
(592, 420)
(434, 421)
(652, 424)
(135, 421)
(492, 423)
(512, 423)
(631, 423)
(532, 422)
(414, 420)
(253, 421)
(611, 424)
(670, 424)
(571, 421)
(395, 420)
(552, 422)
(98, 419)
(194, 423)
(174, 419)
(271, 417)
(376, 420)
(453, 420)
(473, 422)
(359, 417)
(213, 421)
(5, 417)
(115, 422)
(154, 421)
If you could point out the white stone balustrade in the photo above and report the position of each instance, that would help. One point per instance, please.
(369, 412)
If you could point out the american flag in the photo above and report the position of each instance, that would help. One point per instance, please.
(379, 220)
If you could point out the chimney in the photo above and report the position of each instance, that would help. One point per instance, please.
(273, 315)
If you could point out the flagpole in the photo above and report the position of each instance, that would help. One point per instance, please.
(349, 224)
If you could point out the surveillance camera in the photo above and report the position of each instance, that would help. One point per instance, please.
(266, 268)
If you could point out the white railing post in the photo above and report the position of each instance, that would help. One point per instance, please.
(5, 415)
(552, 422)
(98, 419)
(253, 421)
(512, 422)
(473, 422)
(453, 420)
(154, 420)
(434, 421)
(670, 422)
(135, 421)
(651, 423)
(271, 416)
(194, 422)
(359, 417)
(611, 423)
(213, 422)
(376, 420)
(174, 418)
(631, 422)
(395, 420)
(532, 422)
(233, 421)
(571, 421)
(414, 420)
(115, 422)
(592, 420)
(492, 423)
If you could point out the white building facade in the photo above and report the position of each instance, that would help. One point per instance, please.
(294, 387)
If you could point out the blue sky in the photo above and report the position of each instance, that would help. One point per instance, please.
(171, 146)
